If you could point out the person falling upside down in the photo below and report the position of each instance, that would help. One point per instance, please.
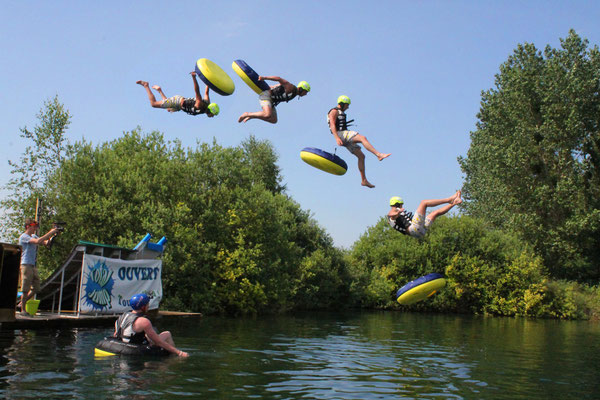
(417, 226)
(192, 106)
(269, 99)
(336, 119)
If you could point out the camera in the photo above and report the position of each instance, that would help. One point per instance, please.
(60, 227)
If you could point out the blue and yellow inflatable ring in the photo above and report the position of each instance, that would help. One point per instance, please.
(214, 77)
(420, 289)
(249, 76)
(324, 161)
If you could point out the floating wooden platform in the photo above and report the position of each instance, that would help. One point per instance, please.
(46, 320)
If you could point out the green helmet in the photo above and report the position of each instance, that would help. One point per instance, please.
(343, 99)
(304, 85)
(396, 200)
(213, 108)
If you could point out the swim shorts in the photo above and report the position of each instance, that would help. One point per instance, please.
(265, 99)
(347, 137)
(172, 102)
(419, 226)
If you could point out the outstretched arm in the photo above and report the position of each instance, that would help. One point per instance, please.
(196, 87)
(206, 97)
(146, 325)
(288, 86)
(42, 240)
(332, 116)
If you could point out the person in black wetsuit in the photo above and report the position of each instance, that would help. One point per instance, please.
(133, 327)
(191, 106)
(269, 99)
(417, 225)
(338, 125)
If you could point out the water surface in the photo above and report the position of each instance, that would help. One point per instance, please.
(358, 355)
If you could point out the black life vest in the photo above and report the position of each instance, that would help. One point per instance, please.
(278, 95)
(401, 223)
(188, 106)
(340, 123)
(124, 329)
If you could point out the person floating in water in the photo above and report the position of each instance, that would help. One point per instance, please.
(133, 327)
(417, 225)
(269, 99)
(192, 106)
(338, 125)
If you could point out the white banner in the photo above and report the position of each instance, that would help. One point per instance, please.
(107, 284)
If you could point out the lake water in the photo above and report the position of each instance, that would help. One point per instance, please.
(357, 355)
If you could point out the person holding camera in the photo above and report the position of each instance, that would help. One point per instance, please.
(30, 279)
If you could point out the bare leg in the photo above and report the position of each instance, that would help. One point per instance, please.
(153, 102)
(268, 114)
(361, 167)
(159, 90)
(422, 209)
(362, 139)
(24, 298)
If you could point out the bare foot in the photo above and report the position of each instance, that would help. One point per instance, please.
(456, 201)
(243, 118)
(381, 156)
(367, 183)
(143, 83)
(156, 87)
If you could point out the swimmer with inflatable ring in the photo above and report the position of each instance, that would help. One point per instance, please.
(417, 226)
(192, 106)
(336, 119)
(133, 327)
(269, 99)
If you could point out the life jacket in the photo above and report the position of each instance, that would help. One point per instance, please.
(188, 106)
(124, 329)
(401, 223)
(278, 95)
(340, 123)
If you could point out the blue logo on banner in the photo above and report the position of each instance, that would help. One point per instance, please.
(99, 286)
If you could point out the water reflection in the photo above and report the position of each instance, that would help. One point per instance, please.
(368, 355)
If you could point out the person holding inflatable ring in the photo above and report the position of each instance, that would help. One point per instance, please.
(338, 125)
(133, 327)
(269, 99)
(417, 225)
(191, 106)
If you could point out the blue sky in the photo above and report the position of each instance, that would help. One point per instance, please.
(413, 69)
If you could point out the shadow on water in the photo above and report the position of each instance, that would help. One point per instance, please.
(354, 355)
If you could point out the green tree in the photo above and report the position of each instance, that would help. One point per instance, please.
(533, 166)
(33, 176)
(237, 243)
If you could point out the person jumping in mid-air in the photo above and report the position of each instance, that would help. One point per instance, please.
(269, 99)
(192, 106)
(336, 119)
(417, 226)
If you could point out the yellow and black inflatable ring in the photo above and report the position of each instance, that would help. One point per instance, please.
(112, 346)
(214, 77)
(324, 161)
(420, 289)
(249, 76)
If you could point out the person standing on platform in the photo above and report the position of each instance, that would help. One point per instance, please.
(29, 241)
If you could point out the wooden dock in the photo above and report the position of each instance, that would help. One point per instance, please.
(48, 320)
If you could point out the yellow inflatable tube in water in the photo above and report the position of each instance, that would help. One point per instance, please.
(249, 76)
(420, 289)
(324, 161)
(214, 77)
